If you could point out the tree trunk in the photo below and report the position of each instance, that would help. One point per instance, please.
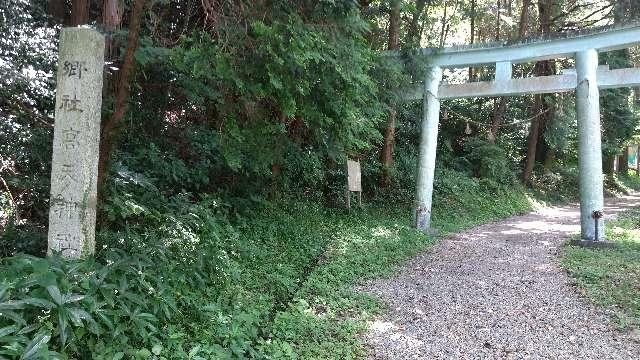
(542, 112)
(524, 17)
(499, 105)
(532, 144)
(608, 165)
(386, 156)
(623, 167)
(443, 28)
(79, 12)
(499, 109)
(532, 141)
(122, 92)
(414, 33)
(111, 21)
(472, 32)
(57, 11)
(111, 15)
(544, 153)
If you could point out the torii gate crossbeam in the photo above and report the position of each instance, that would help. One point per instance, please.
(586, 80)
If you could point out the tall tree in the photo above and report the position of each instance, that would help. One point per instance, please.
(386, 156)
(79, 12)
(111, 21)
(472, 32)
(500, 104)
(414, 33)
(122, 90)
(57, 11)
(542, 109)
(619, 122)
(524, 18)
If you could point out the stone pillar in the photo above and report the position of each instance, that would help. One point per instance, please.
(76, 135)
(589, 144)
(428, 144)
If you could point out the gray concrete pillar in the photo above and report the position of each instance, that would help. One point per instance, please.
(428, 144)
(589, 145)
(76, 135)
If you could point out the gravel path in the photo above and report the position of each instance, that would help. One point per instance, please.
(496, 292)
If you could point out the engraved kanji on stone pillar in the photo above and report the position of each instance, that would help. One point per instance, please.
(76, 136)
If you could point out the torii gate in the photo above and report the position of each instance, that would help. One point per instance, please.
(586, 80)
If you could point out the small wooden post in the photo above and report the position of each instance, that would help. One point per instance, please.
(354, 182)
(348, 197)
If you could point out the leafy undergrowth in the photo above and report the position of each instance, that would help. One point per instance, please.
(611, 277)
(326, 315)
(619, 184)
(188, 284)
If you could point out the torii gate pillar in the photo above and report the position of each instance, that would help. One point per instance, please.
(589, 145)
(428, 145)
(585, 81)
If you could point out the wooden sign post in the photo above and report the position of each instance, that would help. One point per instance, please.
(353, 182)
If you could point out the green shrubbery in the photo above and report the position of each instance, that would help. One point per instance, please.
(488, 161)
(621, 184)
(176, 279)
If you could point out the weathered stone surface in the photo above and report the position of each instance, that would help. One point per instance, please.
(72, 213)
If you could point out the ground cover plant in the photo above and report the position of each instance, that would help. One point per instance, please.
(274, 285)
(611, 277)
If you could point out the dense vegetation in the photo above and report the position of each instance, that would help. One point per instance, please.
(221, 232)
(276, 284)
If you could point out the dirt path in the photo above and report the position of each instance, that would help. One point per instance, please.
(496, 292)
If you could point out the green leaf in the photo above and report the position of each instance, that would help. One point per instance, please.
(156, 349)
(28, 329)
(13, 316)
(143, 354)
(33, 348)
(77, 314)
(12, 305)
(3, 289)
(40, 265)
(41, 303)
(46, 279)
(71, 298)
(8, 330)
(55, 294)
(194, 351)
(62, 325)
